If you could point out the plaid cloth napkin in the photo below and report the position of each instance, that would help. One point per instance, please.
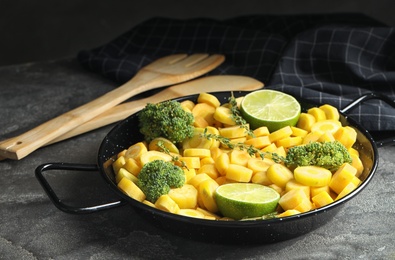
(323, 58)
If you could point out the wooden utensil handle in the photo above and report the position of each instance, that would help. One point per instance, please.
(165, 71)
(207, 84)
(22, 145)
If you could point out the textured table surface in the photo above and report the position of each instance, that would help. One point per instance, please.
(31, 227)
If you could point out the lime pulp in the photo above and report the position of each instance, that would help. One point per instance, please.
(270, 108)
(246, 200)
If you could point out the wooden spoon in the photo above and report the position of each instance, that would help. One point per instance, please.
(206, 84)
(166, 71)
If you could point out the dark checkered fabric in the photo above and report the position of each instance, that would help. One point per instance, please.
(323, 58)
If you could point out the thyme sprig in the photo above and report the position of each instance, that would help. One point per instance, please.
(271, 215)
(174, 157)
(251, 150)
(236, 115)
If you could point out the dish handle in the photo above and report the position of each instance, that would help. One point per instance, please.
(58, 202)
(383, 141)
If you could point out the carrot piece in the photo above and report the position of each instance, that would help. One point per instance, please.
(305, 121)
(313, 176)
(318, 113)
(279, 174)
(331, 112)
(167, 204)
(185, 196)
(208, 99)
(238, 173)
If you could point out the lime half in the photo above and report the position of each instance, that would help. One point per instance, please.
(270, 108)
(245, 200)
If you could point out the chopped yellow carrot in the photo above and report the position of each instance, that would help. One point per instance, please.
(313, 176)
(270, 148)
(136, 150)
(224, 115)
(346, 135)
(280, 134)
(289, 141)
(200, 122)
(206, 160)
(261, 131)
(357, 164)
(258, 164)
(331, 112)
(210, 170)
(239, 157)
(293, 199)
(167, 204)
(185, 196)
(258, 142)
(288, 213)
(193, 213)
(233, 131)
(121, 153)
(154, 145)
(222, 163)
(316, 190)
(118, 164)
(323, 126)
(294, 184)
(197, 152)
(280, 190)
(279, 174)
(311, 137)
(305, 121)
(326, 137)
(154, 155)
(197, 179)
(123, 173)
(261, 178)
(304, 206)
(322, 199)
(132, 166)
(215, 152)
(347, 189)
(318, 113)
(208, 213)
(204, 111)
(238, 173)
(189, 173)
(149, 203)
(342, 177)
(197, 140)
(187, 104)
(296, 131)
(131, 189)
(206, 193)
(190, 162)
(208, 99)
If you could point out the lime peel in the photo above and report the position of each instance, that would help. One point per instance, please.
(270, 108)
(246, 200)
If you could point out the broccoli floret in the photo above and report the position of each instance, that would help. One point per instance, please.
(167, 119)
(156, 178)
(329, 155)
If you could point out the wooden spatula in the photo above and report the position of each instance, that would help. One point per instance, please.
(206, 84)
(166, 71)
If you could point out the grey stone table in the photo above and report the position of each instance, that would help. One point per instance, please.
(31, 227)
